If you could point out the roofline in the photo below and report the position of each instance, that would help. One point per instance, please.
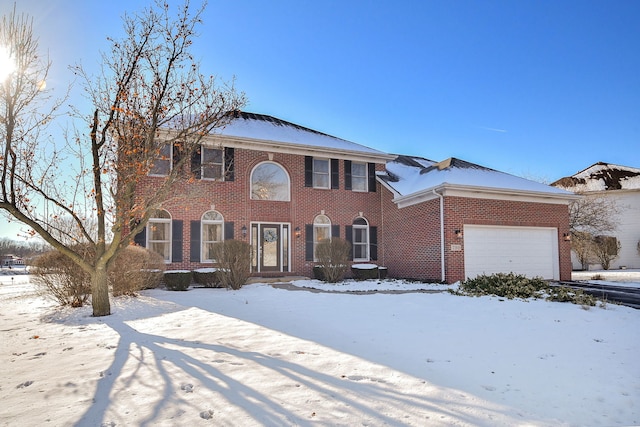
(447, 189)
(294, 148)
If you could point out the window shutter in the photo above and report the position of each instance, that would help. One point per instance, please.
(308, 171)
(347, 175)
(194, 254)
(348, 235)
(308, 242)
(373, 243)
(372, 177)
(176, 240)
(140, 239)
(196, 160)
(229, 164)
(176, 154)
(228, 230)
(335, 174)
(335, 231)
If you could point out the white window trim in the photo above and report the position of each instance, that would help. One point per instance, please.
(202, 164)
(365, 244)
(288, 199)
(314, 173)
(203, 242)
(170, 160)
(169, 234)
(365, 177)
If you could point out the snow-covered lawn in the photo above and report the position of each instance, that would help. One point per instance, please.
(276, 357)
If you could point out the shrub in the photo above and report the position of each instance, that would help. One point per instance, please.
(518, 286)
(207, 277)
(364, 271)
(177, 280)
(134, 269)
(508, 285)
(234, 260)
(61, 279)
(606, 249)
(333, 258)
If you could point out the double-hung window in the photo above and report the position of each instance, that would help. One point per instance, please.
(360, 240)
(358, 176)
(162, 161)
(321, 173)
(212, 163)
(321, 232)
(159, 234)
(212, 233)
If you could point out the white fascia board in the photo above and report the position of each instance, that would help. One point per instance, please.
(298, 149)
(506, 194)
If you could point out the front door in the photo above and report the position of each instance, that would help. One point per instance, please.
(270, 243)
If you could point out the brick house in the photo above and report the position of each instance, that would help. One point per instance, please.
(283, 188)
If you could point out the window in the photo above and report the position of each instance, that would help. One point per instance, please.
(212, 233)
(269, 181)
(159, 234)
(358, 176)
(360, 240)
(162, 162)
(321, 231)
(212, 163)
(321, 173)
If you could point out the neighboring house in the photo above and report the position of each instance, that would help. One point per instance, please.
(283, 188)
(620, 185)
(11, 260)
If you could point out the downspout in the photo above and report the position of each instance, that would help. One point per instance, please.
(442, 265)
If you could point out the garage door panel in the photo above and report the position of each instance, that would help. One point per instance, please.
(531, 251)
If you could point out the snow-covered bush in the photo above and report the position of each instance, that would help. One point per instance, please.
(234, 260)
(177, 280)
(134, 269)
(61, 279)
(364, 271)
(207, 277)
(333, 259)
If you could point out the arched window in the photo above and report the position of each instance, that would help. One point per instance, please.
(360, 239)
(159, 233)
(212, 233)
(321, 231)
(269, 181)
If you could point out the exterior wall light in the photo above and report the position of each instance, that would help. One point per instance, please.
(297, 232)
(458, 233)
(567, 237)
(244, 231)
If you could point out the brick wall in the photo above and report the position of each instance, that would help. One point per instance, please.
(412, 234)
(232, 199)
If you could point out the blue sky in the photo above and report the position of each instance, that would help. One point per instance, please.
(540, 89)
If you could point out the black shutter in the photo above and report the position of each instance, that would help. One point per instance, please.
(308, 171)
(176, 240)
(229, 164)
(196, 161)
(372, 177)
(140, 239)
(347, 175)
(194, 243)
(308, 242)
(348, 235)
(373, 243)
(335, 231)
(176, 153)
(228, 230)
(335, 174)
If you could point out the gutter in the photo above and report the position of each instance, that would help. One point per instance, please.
(442, 264)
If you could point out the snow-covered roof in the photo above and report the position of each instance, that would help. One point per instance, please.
(601, 177)
(261, 127)
(408, 176)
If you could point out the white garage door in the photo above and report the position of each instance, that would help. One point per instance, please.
(530, 251)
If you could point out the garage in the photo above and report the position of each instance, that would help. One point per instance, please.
(530, 251)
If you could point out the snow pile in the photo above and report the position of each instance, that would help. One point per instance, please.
(265, 356)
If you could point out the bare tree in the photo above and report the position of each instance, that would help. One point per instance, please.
(148, 96)
(591, 216)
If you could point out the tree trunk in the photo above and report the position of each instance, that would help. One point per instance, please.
(100, 292)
